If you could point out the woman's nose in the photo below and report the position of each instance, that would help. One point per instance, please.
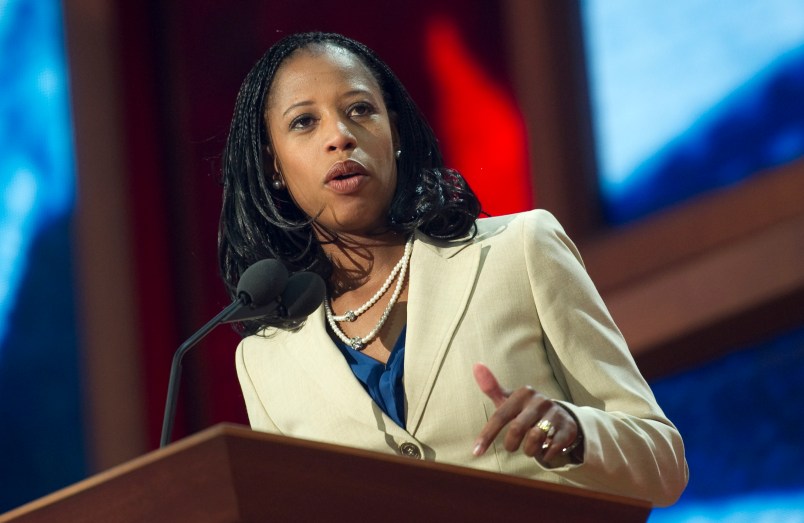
(340, 137)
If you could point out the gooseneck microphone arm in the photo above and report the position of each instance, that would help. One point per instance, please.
(175, 367)
(264, 291)
(260, 284)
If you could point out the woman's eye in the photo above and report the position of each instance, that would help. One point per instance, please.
(302, 122)
(361, 109)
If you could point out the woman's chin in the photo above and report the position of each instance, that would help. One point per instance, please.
(354, 222)
(356, 228)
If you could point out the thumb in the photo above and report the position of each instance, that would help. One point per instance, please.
(488, 384)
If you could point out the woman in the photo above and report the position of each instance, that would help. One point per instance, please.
(330, 167)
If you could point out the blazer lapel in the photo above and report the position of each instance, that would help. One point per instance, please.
(441, 281)
(327, 368)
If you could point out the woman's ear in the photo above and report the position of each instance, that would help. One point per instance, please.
(269, 156)
(277, 169)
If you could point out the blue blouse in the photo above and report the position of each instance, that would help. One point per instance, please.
(383, 382)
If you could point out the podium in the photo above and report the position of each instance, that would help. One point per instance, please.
(229, 473)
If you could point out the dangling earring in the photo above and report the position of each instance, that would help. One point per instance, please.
(278, 183)
(398, 153)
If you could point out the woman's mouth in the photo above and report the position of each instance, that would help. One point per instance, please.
(346, 183)
(346, 177)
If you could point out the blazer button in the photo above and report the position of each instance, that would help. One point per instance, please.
(410, 450)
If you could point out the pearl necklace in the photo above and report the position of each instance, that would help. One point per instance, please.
(358, 343)
(352, 315)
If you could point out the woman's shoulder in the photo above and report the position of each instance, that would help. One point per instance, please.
(535, 229)
(527, 222)
(536, 233)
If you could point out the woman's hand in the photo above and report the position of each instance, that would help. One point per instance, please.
(543, 428)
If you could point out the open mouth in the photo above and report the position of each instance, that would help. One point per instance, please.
(346, 183)
(346, 176)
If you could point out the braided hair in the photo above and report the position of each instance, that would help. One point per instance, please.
(258, 222)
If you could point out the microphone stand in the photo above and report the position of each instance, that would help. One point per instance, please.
(175, 368)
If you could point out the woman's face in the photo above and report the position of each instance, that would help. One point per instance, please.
(333, 139)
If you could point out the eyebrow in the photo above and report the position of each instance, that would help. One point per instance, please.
(297, 104)
(351, 92)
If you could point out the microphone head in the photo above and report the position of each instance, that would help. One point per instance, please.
(304, 293)
(262, 282)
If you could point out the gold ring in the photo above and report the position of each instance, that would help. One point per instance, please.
(545, 425)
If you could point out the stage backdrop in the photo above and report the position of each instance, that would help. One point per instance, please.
(41, 440)
(178, 66)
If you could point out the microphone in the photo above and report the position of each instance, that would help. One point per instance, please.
(303, 294)
(260, 284)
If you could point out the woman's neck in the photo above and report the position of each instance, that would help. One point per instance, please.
(358, 262)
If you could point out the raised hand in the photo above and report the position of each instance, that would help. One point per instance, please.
(541, 427)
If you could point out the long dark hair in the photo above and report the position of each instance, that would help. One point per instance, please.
(259, 222)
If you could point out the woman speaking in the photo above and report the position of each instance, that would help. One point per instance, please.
(476, 342)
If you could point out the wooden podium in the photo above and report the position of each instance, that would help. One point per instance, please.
(229, 473)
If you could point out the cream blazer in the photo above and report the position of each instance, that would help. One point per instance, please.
(517, 298)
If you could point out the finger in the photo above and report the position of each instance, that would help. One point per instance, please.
(565, 433)
(488, 384)
(505, 413)
(539, 437)
(552, 448)
(490, 431)
(535, 439)
(484, 439)
(563, 438)
(530, 413)
(532, 446)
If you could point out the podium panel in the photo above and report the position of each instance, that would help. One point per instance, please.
(230, 473)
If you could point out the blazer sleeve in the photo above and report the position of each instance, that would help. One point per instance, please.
(630, 445)
(257, 415)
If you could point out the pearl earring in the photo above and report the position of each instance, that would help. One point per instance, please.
(278, 183)
(398, 153)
